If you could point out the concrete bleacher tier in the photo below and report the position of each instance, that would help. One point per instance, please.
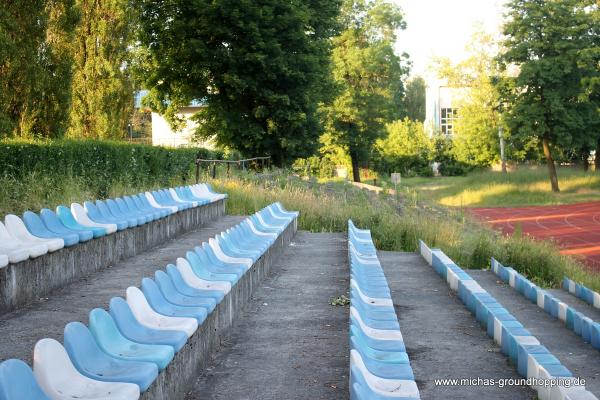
(150, 342)
(42, 252)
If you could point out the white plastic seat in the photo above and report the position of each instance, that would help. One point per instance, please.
(255, 231)
(387, 388)
(193, 280)
(201, 190)
(214, 245)
(8, 241)
(82, 218)
(60, 380)
(3, 260)
(17, 229)
(151, 319)
(155, 204)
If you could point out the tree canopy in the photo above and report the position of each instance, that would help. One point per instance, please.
(260, 66)
(368, 75)
(550, 43)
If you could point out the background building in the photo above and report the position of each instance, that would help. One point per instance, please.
(441, 109)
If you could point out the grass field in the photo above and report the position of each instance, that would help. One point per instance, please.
(519, 188)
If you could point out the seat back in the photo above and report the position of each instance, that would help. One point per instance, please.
(104, 329)
(82, 348)
(52, 222)
(52, 367)
(166, 285)
(34, 224)
(18, 383)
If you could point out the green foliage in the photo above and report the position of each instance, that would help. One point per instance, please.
(102, 90)
(35, 67)
(406, 149)
(445, 155)
(475, 141)
(368, 77)
(552, 43)
(96, 164)
(414, 99)
(261, 67)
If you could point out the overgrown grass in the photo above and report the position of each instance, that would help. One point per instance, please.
(526, 186)
(399, 225)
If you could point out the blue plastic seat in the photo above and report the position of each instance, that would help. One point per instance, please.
(53, 224)
(18, 383)
(217, 263)
(96, 215)
(172, 295)
(91, 361)
(153, 215)
(161, 305)
(36, 226)
(164, 200)
(114, 210)
(67, 218)
(218, 267)
(141, 199)
(141, 218)
(203, 272)
(133, 330)
(111, 341)
(386, 370)
(183, 288)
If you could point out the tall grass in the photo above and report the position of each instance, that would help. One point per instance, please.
(399, 225)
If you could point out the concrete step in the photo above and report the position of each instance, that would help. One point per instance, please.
(443, 338)
(21, 329)
(289, 343)
(578, 356)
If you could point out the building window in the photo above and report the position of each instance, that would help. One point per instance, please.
(448, 118)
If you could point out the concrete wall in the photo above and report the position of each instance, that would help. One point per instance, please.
(32, 279)
(181, 373)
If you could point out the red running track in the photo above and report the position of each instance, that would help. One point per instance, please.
(574, 227)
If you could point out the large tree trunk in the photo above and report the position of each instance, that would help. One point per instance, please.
(355, 166)
(551, 166)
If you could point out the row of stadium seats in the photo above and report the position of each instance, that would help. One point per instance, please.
(533, 360)
(379, 365)
(582, 325)
(35, 235)
(122, 350)
(579, 290)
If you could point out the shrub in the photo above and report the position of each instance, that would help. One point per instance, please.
(406, 149)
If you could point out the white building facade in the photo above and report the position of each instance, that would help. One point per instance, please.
(164, 135)
(441, 104)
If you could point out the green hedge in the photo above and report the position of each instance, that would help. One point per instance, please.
(100, 164)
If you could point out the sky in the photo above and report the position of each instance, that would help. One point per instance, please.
(443, 28)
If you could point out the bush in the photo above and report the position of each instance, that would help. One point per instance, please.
(97, 165)
(406, 149)
(448, 164)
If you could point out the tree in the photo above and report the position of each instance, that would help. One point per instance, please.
(35, 66)
(414, 100)
(475, 142)
(260, 66)
(546, 41)
(102, 90)
(368, 75)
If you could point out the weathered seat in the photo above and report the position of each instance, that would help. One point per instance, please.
(110, 339)
(192, 279)
(16, 227)
(148, 317)
(134, 331)
(91, 361)
(97, 215)
(68, 220)
(160, 304)
(18, 383)
(13, 246)
(55, 225)
(36, 227)
(60, 380)
(82, 218)
(183, 288)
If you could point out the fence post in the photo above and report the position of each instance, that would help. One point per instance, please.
(228, 170)
(214, 170)
(197, 171)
